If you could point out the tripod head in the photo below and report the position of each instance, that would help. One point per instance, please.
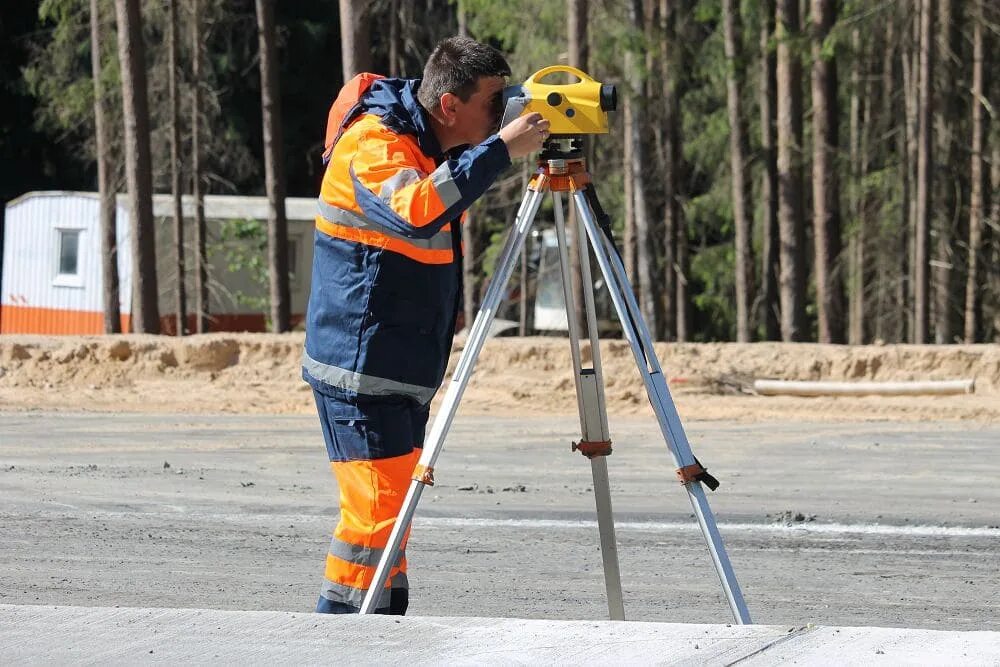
(562, 160)
(562, 147)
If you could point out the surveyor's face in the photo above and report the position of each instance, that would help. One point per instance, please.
(478, 118)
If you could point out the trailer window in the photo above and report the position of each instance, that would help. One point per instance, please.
(69, 251)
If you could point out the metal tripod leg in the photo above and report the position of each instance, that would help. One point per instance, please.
(591, 406)
(659, 397)
(423, 475)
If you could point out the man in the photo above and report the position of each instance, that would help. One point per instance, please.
(407, 159)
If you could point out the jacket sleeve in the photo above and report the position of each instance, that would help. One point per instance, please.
(392, 190)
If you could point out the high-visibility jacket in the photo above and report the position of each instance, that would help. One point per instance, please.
(387, 259)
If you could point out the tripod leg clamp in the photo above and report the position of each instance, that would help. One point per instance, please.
(591, 449)
(697, 473)
(424, 474)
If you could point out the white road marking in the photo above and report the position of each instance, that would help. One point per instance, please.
(72, 507)
(810, 528)
(804, 528)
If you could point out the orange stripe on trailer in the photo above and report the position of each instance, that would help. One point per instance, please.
(378, 240)
(16, 319)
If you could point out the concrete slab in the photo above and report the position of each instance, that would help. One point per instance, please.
(888, 646)
(100, 635)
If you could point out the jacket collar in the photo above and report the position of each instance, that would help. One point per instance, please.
(395, 102)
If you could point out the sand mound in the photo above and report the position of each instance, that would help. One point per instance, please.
(259, 373)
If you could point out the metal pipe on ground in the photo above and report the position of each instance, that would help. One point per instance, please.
(826, 388)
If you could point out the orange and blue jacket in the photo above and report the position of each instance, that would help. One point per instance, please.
(387, 259)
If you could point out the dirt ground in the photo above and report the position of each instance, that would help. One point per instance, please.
(259, 374)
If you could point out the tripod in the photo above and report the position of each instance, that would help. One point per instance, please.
(562, 168)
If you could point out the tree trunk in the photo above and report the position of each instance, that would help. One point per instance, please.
(791, 225)
(469, 304)
(993, 222)
(742, 212)
(976, 171)
(671, 161)
(769, 178)
(944, 213)
(683, 270)
(577, 56)
(855, 251)
(468, 227)
(105, 189)
(395, 45)
(925, 172)
(650, 130)
(200, 259)
(864, 201)
(628, 120)
(910, 58)
(175, 166)
(644, 245)
(826, 189)
(277, 225)
(886, 311)
(135, 110)
(682, 251)
(355, 45)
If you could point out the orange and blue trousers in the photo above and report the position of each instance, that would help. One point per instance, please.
(373, 443)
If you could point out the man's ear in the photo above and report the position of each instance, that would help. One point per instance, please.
(448, 105)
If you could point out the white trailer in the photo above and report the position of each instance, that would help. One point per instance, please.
(52, 282)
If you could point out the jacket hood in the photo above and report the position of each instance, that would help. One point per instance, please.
(395, 102)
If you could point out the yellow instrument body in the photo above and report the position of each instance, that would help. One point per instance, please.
(571, 108)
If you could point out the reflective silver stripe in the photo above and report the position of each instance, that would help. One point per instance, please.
(399, 580)
(364, 384)
(445, 184)
(339, 216)
(335, 592)
(400, 180)
(352, 553)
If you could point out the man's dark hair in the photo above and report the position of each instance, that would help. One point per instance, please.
(455, 66)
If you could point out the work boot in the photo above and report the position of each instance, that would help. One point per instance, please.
(399, 600)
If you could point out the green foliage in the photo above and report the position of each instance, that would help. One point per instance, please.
(60, 70)
(244, 245)
(708, 212)
(532, 34)
(714, 296)
(59, 76)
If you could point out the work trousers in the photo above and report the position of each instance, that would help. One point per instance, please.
(373, 444)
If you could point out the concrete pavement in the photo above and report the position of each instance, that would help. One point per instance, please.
(834, 524)
(101, 635)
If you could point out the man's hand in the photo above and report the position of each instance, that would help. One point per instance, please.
(525, 135)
